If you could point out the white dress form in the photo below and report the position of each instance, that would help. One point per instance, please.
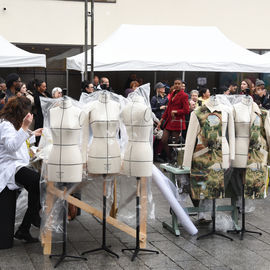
(65, 162)
(104, 151)
(242, 119)
(138, 157)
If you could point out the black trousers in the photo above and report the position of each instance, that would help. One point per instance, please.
(7, 212)
(29, 179)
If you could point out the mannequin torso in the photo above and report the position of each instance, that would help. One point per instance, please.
(242, 119)
(138, 157)
(104, 151)
(65, 159)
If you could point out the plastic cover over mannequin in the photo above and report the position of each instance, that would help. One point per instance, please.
(98, 126)
(138, 157)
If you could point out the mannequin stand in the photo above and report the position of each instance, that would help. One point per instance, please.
(137, 249)
(104, 223)
(214, 232)
(243, 229)
(64, 250)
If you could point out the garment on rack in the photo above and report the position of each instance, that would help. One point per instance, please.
(252, 128)
(256, 180)
(212, 153)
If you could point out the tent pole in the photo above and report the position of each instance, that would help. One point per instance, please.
(183, 75)
(155, 78)
(46, 75)
(67, 80)
(85, 37)
(82, 73)
(92, 41)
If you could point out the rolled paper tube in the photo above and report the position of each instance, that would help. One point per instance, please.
(163, 184)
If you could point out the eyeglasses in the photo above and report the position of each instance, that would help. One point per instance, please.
(18, 81)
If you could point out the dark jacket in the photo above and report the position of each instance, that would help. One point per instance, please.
(156, 103)
(266, 102)
(9, 94)
(179, 103)
(39, 116)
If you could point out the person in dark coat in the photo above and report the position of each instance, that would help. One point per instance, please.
(159, 101)
(41, 88)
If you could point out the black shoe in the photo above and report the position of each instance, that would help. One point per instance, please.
(26, 236)
(36, 221)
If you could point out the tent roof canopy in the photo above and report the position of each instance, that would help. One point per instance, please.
(12, 56)
(170, 48)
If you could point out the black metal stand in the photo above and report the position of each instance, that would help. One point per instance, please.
(64, 250)
(243, 229)
(137, 249)
(214, 232)
(103, 246)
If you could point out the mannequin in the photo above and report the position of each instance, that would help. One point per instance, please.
(104, 151)
(138, 157)
(252, 141)
(242, 117)
(209, 124)
(65, 162)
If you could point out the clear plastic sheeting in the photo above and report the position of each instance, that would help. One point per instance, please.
(224, 222)
(97, 128)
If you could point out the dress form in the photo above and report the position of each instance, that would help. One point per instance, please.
(104, 151)
(138, 157)
(65, 162)
(242, 118)
(228, 149)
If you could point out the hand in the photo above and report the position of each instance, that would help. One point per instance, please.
(159, 124)
(173, 114)
(162, 107)
(27, 120)
(38, 132)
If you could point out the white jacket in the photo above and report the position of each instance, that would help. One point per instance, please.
(228, 149)
(11, 143)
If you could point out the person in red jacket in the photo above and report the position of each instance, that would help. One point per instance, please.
(174, 116)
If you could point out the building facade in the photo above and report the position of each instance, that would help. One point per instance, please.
(56, 27)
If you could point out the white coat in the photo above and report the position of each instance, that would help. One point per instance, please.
(12, 145)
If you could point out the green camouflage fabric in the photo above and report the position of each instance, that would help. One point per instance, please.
(207, 175)
(257, 172)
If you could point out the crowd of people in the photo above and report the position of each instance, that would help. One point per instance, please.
(21, 121)
(173, 105)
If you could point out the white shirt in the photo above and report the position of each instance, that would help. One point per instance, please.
(12, 145)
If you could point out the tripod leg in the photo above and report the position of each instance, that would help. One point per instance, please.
(103, 246)
(137, 249)
(214, 232)
(64, 247)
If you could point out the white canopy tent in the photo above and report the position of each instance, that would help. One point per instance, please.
(267, 55)
(12, 56)
(170, 48)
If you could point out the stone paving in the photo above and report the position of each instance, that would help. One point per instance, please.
(183, 252)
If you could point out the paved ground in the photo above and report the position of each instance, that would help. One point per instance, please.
(184, 252)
